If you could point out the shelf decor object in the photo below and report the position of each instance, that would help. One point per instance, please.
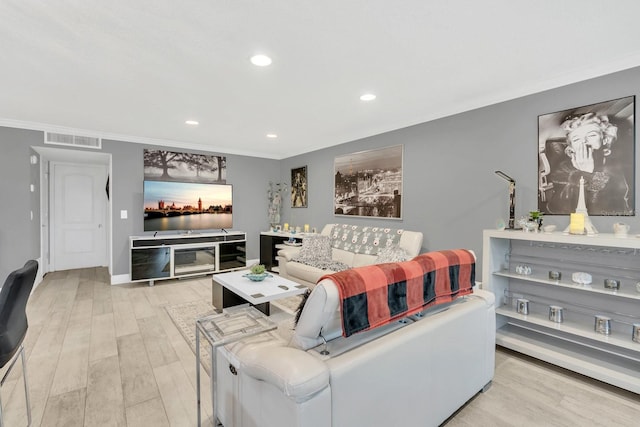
(611, 284)
(523, 306)
(580, 222)
(602, 324)
(555, 275)
(589, 329)
(581, 278)
(556, 313)
(512, 198)
(635, 332)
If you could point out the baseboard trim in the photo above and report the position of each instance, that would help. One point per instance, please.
(119, 279)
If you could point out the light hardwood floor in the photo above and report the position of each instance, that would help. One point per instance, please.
(101, 355)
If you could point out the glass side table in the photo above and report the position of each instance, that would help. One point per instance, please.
(234, 324)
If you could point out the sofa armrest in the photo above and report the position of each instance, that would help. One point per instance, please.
(289, 253)
(298, 374)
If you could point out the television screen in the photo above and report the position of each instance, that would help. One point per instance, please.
(187, 206)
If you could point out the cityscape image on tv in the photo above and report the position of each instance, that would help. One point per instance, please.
(187, 206)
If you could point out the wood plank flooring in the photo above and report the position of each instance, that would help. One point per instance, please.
(101, 355)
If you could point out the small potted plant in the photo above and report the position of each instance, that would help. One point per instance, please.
(257, 273)
(536, 216)
(257, 269)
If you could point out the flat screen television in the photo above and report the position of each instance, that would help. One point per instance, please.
(187, 206)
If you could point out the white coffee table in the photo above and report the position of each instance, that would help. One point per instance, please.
(231, 289)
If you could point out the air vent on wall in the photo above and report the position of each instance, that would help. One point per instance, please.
(72, 140)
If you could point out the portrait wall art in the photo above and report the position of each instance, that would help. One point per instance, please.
(369, 183)
(299, 187)
(595, 143)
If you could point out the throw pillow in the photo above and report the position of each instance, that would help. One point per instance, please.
(393, 253)
(316, 247)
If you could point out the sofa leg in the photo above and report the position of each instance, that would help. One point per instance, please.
(486, 387)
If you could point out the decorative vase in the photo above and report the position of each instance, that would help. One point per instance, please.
(275, 194)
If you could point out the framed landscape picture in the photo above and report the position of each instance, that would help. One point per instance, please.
(163, 165)
(369, 183)
(586, 159)
(299, 187)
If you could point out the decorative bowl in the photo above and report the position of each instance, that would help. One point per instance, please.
(581, 278)
(256, 277)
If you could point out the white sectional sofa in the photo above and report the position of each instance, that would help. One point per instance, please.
(352, 245)
(413, 372)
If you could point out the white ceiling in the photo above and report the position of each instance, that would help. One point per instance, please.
(137, 69)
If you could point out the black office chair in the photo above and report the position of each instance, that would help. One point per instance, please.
(13, 323)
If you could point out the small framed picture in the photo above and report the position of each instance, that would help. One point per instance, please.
(299, 187)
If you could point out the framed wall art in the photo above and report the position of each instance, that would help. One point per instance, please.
(299, 187)
(594, 144)
(162, 165)
(369, 183)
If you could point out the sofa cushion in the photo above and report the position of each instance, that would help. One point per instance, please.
(360, 260)
(342, 256)
(320, 317)
(324, 264)
(304, 272)
(392, 254)
(299, 375)
(363, 240)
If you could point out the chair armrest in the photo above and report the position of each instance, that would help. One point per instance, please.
(297, 373)
(289, 253)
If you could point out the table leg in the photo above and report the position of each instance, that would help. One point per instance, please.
(265, 307)
(214, 380)
(198, 374)
(231, 299)
(216, 296)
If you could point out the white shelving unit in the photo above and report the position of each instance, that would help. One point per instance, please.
(573, 344)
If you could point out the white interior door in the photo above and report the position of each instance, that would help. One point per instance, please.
(78, 205)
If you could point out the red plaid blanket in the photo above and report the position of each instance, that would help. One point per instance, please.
(375, 295)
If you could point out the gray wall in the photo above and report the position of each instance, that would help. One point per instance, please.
(248, 175)
(19, 235)
(450, 191)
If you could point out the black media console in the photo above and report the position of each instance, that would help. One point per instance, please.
(172, 256)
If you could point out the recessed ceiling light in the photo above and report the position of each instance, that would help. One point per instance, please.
(272, 135)
(367, 97)
(261, 60)
(192, 122)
